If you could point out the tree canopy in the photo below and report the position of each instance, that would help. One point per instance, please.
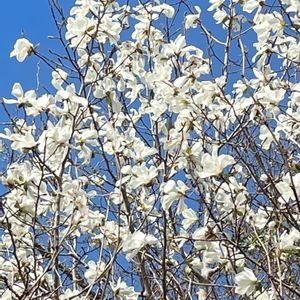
(162, 161)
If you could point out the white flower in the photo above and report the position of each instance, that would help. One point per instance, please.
(260, 218)
(172, 191)
(58, 78)
(22, 49)
(79, 30)
(168, 10)
(44, 103)
(200, 237)
(7, 295)
(285, 190)
(201, 267)
(250, 5)
(191, 20)
(122, 291)
(287, 240)
(270, 97)
(176, 47)
(94, 271)
(60, 134)
(220, 15)
(263, 296)
(267, 137)
(190, 218)
(140, 151)
(215, 4)
(22, 99)
(21, 142)
(202, 295)
(70, 93)
(138, 175)
(267, 23)
(134, 242)
(246, 282)
(213, 164)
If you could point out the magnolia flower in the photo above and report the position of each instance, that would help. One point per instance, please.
(70, 94)
(138, 175)
(59, 134)
(267, 23)
(7, 295)
(172, 191)
(22, 49)
(58, 78)
(21, 142)
(287, 240)
(215, 4)
(202, 295)
(22, 98)
(168, 10)
(190, 218)
(140, 151)
(32, 105)
(226, 258)
(285, 190)
(79, 30)
(246, 282)
(270, 97)
(213, 164)
(226, 201)
(134, 242)
(250, 5)
(200, 237)
(44, 103)
(263, 295)
(201, 268)
(191, 20)
(89, 220)
(94, 271)
(122, 291)
(220, 16)
(111, 232)
(260, 218)
(176, 47)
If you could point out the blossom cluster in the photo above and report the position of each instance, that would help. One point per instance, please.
(157, 167)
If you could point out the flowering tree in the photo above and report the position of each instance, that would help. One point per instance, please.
(163, 161)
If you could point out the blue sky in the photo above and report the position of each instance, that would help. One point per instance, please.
(33, 17)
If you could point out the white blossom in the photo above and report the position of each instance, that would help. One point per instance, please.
(22, 49)
(246, 282)
(191, 20)
(214, 164)
(134, 242)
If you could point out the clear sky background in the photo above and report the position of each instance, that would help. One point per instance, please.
(33, 17)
